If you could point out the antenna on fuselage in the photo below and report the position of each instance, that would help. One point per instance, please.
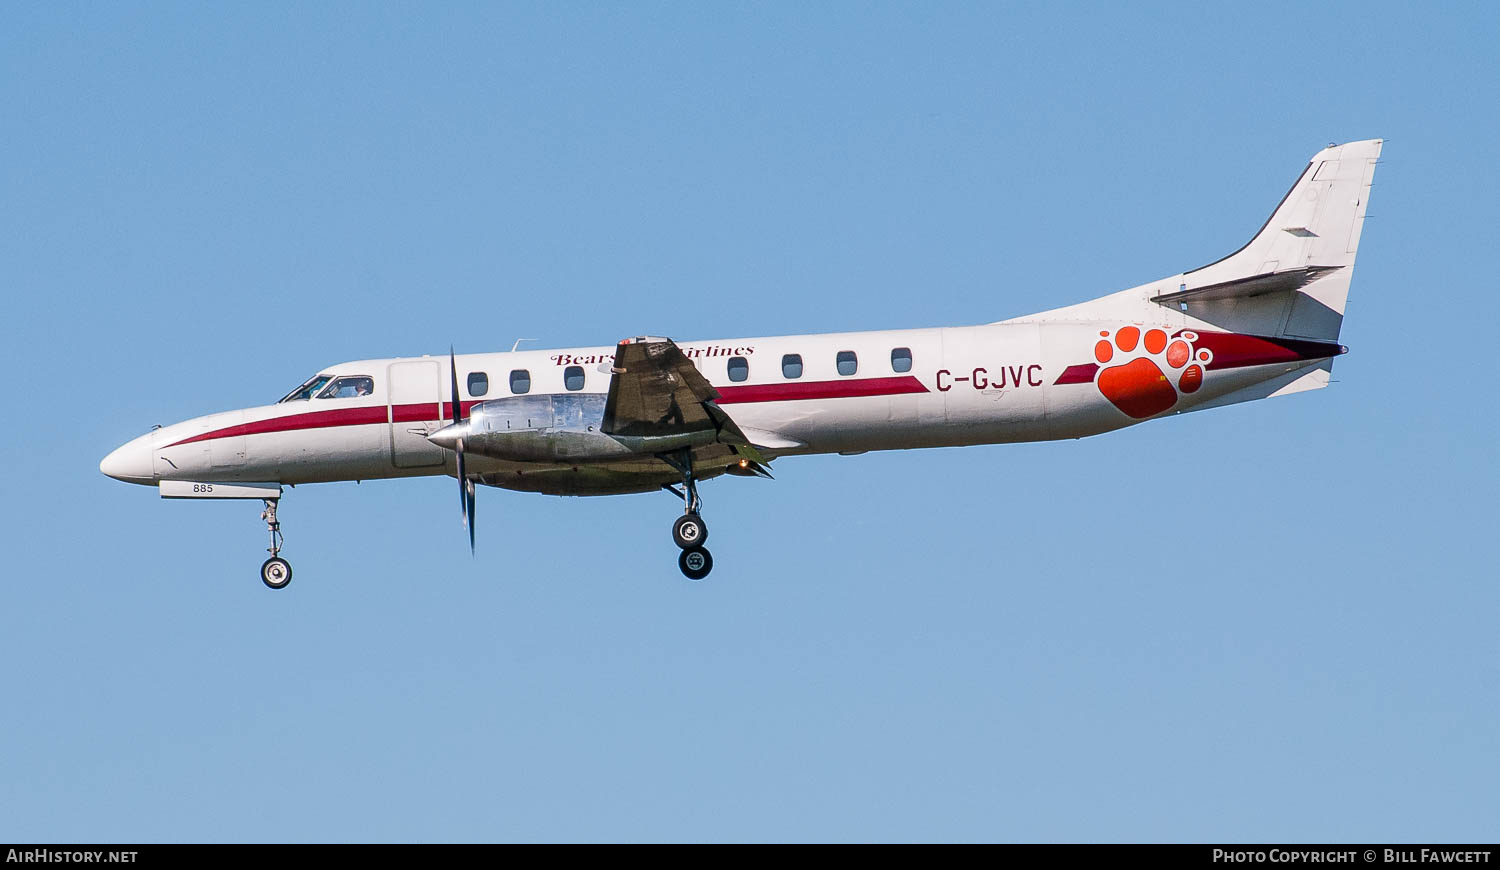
(518, 343)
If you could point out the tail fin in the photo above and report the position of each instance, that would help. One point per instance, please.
(1291, 280)
(1304, 254)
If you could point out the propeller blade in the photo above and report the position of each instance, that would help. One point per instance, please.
(453, 370)
(463, 489)
(465, 486)
(469, 489)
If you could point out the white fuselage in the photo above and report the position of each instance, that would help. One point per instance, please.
(1006, 382)
(1262, 322)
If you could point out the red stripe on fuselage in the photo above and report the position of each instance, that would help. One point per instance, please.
(795, 390)
(1231, 350)
(295, 422)
(376, 414)
(1080, 374)
(1234, 350)
(423, 412)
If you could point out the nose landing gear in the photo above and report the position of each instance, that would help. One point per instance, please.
(275, 572)
(689, 531)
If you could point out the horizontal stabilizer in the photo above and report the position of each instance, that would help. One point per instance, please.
(1255, 285)
(1299, 380)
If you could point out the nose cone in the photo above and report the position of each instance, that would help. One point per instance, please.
(131, 462)
(447, 437)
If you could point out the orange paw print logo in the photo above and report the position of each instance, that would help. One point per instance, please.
(1145, 368)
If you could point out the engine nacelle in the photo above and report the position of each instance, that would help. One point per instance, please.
(553, 427)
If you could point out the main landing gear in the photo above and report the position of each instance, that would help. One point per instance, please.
(690, 531)
(275, 572)
(695, 563)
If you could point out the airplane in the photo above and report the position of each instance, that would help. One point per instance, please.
(654, 414)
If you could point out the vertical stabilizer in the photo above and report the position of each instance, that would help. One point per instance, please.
(1291, 280)
(1305, 251)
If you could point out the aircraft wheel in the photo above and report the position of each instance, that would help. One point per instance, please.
(689, 531)
(695, 563)
(276, 572)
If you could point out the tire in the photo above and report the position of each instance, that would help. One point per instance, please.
(689, 531)
(276, 572)
(695, 563)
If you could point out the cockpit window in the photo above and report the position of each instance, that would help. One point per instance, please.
(306, 391)
(349, 387)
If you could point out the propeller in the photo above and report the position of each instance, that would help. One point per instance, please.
(465, 486)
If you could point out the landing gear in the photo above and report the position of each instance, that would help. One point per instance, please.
(275, 572)
(689, 531)
(695, 563)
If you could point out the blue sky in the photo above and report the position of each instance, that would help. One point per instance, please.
(1268, 622)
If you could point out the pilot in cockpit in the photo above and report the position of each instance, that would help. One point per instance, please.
(348, 388)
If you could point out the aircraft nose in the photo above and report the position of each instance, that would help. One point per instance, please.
(130, 462)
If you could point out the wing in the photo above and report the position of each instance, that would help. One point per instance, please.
(656, 390)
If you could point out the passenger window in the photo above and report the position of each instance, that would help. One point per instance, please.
(520, 381)
(739, 368)
(791, 366)
(479, 383)
(351, 387)
(573, 378)
(901, 359)
(848, 362)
